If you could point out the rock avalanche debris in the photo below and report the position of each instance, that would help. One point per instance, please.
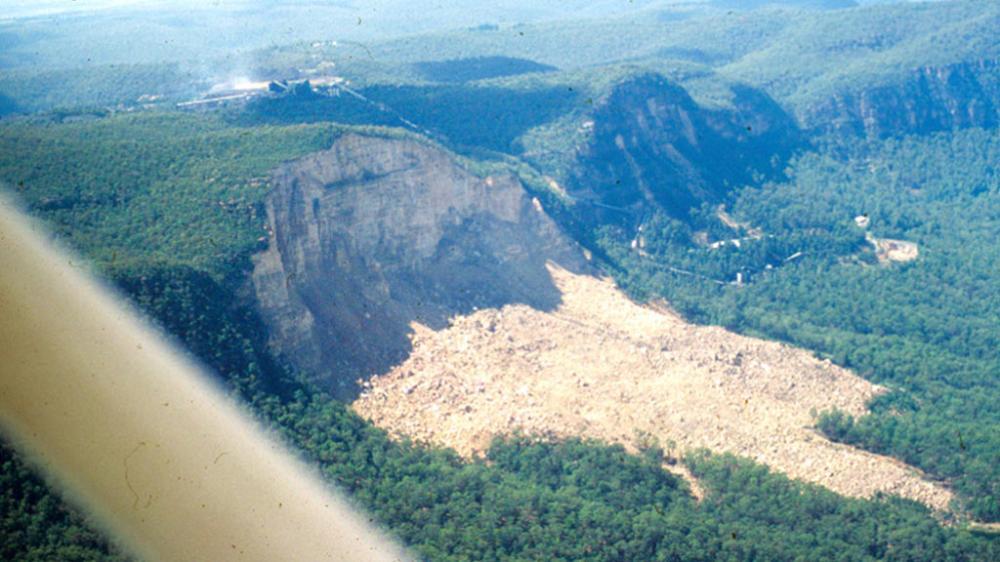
(601, 366)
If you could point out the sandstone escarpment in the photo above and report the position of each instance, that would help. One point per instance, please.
(376, 233)
(651, 147)
(474, 316)
(929, 99)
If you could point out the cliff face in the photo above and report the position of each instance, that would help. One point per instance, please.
(652, 147)
(374, 234)
(930, 99)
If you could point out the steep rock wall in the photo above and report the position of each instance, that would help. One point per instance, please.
(652, 147)
(376, 233)
(929, 99)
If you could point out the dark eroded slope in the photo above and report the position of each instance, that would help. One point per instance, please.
(649, 146)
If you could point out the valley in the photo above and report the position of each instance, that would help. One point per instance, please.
(462, 313)
(660, 280)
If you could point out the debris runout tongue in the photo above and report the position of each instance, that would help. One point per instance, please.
(601, 366)
(134, 432)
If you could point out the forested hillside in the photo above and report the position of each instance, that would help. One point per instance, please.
(753, 167)
(801, 57)
(511, 507)
(814, 281)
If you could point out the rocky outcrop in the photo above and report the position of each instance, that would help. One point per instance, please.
(929, 99)
(651, 147)
(376, 233)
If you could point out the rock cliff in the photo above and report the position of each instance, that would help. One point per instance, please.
(929, 99)
(376, 233)
(652, 147)
(470, 315)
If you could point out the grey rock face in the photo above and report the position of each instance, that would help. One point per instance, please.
(653, 148)
(376, 233)
(932, 98)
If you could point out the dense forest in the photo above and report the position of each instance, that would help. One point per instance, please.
(803, 58)
(813, 280)
(168, 205)
(529, 499)
(477, 68)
